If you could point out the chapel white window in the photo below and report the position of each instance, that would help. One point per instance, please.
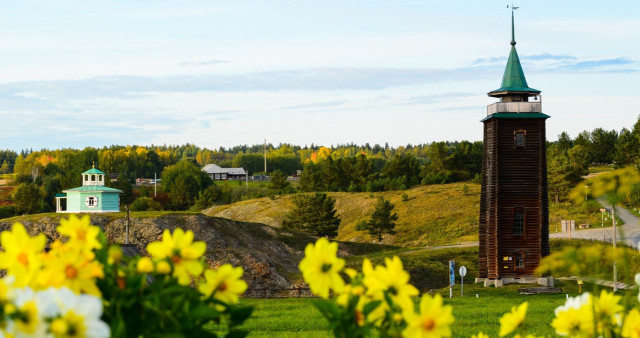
(92, 201)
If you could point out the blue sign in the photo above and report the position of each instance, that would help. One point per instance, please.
(452, 273)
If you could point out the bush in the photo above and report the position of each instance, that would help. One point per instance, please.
(145, 204)
(633, 199)
(590, 207)
(7, 211)
(27, 199)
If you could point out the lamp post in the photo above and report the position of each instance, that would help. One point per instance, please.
(586, 192)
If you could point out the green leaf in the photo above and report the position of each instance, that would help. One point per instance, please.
(329, 309)
(239, 314)
(370, 307)
(205, 312)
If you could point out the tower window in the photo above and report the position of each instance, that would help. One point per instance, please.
(518, 222)
(519, 260)
(520, 138)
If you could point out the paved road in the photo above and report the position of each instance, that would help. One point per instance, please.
(629, 232)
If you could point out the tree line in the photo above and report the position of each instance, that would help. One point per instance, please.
(347, 167)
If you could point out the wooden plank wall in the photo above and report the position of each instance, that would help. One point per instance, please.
(513, 178)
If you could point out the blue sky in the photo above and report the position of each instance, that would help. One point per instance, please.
(223, 73)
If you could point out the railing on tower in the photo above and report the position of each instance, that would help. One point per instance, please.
(514, 107)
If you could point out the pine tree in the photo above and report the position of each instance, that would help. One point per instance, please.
(315, 214)
(382, 220)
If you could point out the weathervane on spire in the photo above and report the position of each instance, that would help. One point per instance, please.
(513, 35)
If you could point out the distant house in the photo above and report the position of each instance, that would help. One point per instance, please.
(93, 196)
(221, 174)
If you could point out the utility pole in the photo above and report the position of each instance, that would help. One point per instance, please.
(126, 238)
(155, 184)
(265, 156)
(615, 239)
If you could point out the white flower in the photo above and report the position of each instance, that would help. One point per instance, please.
(574, 303)
(72, 313)
(31, 322)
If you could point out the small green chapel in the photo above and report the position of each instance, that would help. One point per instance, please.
(93, 196)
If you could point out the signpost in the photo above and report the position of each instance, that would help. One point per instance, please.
(602, 211)
(463, 272)
(452, 277)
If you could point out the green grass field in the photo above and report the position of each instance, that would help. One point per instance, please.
(297, 317)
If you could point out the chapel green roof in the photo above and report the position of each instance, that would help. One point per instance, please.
(513, 79)
(93, 171)
(93, 188)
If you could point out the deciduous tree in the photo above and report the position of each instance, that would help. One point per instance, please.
(184, 181)
(27, 198)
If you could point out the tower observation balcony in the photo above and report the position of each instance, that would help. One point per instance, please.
(514, 107)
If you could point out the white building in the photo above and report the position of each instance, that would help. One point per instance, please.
(220, 174)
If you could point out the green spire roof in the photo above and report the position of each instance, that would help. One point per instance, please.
(513, 79)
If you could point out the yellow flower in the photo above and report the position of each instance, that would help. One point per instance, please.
(4, 292)
(68, 326)
(115, 254)
(574, 322)
(145, 265)
(21, 255)
(225, 284)
(163, 268)
(182, 251)
(81, 233)
(349, 291)
(480, 335)
(393, 279)
(631, 326)
(398, 318)
(607, 306)
(512, 320)
(73, 269)
(321, 267)
(433, 321)
(27, 319)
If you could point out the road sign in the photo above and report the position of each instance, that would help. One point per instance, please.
(603, 210)
(452, 277)
(452, 273)
(463, 271)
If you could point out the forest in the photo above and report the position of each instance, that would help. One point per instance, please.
(38, 175)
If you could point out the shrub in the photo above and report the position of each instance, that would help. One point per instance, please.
(145, 204)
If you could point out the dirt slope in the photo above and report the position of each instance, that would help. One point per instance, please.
(269, 256)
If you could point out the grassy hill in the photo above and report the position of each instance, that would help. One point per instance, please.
(431, 215)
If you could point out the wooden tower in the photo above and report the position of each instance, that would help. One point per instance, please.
(514, 210)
